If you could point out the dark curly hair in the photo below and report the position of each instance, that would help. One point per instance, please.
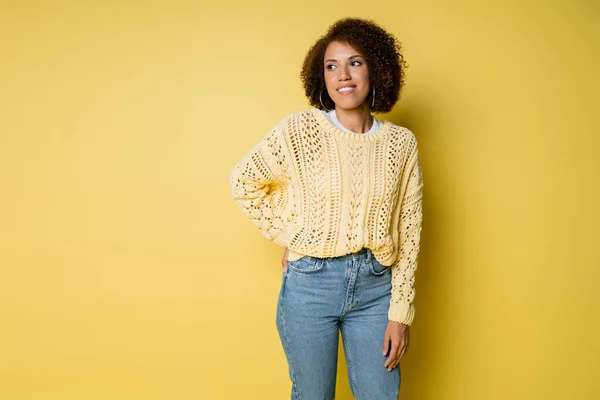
(382, 51)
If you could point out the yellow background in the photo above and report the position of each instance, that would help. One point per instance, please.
(127, 271)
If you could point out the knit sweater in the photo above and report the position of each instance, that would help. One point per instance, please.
(324, 192)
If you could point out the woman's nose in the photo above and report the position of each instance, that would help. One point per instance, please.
(344, 75)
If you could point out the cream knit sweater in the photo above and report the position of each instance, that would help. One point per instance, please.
(320, 191)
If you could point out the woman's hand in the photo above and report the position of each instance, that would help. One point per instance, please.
(398, 334)
(284, 260)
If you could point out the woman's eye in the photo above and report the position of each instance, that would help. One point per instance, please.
(353, 63)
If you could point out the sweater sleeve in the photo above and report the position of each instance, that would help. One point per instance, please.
(402, 308)
(258, 185)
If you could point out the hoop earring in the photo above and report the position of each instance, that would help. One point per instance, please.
(373, 102)
(321, 100)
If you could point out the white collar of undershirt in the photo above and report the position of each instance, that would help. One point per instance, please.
(331, 115)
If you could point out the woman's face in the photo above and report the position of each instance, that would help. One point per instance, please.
(346, 75)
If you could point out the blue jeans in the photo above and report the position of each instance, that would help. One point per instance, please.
(318, 296)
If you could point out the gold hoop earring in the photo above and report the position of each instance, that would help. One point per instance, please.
(321, 100)
(373, 102)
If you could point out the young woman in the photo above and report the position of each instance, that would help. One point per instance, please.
(342, 192)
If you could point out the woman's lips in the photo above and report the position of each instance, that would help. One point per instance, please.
(345, 91)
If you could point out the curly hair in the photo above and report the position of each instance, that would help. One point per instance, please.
(382, 51)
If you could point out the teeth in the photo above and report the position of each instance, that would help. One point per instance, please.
(345, 89)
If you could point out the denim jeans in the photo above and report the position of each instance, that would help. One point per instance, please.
(318, 296)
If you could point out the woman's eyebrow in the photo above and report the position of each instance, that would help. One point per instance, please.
(349, 58)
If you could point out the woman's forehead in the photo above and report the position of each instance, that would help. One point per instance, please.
(341, 49)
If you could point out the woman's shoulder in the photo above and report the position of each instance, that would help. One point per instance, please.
(307, 118)
(404, 136)
(296, 115)
(401, 132)
(302, 114)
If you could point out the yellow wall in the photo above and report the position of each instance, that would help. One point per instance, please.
(127, 271)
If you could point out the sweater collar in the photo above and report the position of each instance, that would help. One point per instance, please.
(333, 130)
(332, 117)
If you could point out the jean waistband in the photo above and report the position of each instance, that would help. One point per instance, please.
(365, 252)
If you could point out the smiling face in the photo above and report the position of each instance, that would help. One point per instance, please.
(346, 76)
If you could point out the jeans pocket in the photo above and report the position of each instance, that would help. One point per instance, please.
(306, 265)
(376, 268)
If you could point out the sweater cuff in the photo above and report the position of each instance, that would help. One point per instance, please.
(402, 312)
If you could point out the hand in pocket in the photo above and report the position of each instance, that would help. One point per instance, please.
(284, 266)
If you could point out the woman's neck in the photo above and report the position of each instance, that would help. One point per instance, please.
(358, 120)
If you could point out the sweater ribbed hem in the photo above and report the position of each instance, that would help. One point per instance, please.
(293, 256)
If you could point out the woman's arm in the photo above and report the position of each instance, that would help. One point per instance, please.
(258, 185)
(403, 270)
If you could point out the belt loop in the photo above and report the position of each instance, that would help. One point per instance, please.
(368, 254)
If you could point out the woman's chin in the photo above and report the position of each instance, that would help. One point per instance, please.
(348, 104)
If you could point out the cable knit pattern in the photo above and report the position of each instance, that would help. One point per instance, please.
(324, 192)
